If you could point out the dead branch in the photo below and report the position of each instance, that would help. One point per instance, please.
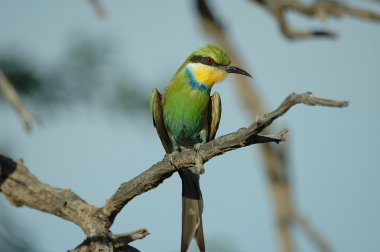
(119, 242)
(319, 9)
(10, 94)
(22, 188)
(152, 177)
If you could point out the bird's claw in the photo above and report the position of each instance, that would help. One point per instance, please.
(170, 156)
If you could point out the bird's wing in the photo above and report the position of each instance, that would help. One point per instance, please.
(158, 120)
(215, 111)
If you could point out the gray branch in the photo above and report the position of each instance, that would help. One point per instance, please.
(22, 188)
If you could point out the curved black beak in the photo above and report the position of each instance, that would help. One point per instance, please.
(232, 69)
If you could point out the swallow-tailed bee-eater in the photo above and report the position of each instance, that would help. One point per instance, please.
(186, 115)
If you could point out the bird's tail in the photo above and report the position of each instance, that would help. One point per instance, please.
(192, 207)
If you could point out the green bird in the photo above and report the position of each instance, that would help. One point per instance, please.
(186, 115)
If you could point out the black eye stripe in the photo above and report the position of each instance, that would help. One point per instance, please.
(197, 59)
(200, 59)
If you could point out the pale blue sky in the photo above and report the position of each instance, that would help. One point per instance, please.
(334, 153)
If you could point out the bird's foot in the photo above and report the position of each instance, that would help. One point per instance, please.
(170, 156)
(198, 160)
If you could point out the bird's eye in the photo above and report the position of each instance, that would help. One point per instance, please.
(208, 60)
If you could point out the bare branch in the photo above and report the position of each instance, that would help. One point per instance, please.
(22, 188)
(277, 138)
(121, 240)
(307, 98)
(155, 175)
(10, 94)
(96, 243)
(319, 9)
(112, 243)
(291, 33)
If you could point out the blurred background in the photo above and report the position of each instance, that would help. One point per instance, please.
(86, 71)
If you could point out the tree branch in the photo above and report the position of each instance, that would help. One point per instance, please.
(121, 240)
(307, 98)
(113, 242)
(155, 175)
(22, 188)
(10, 94)
(318, 9)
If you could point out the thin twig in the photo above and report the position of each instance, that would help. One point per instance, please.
(121, 240)
(317, 9)
(311, 233)
(10, 94)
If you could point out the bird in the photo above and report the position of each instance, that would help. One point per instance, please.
(186, 115)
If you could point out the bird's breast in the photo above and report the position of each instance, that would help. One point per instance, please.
(185, 115)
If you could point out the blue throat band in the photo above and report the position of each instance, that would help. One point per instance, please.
(195, 84)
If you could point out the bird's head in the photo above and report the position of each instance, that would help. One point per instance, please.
(210, 65)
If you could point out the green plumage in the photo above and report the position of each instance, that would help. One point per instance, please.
(185, 111)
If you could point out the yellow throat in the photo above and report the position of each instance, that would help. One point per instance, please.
(207, 75)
